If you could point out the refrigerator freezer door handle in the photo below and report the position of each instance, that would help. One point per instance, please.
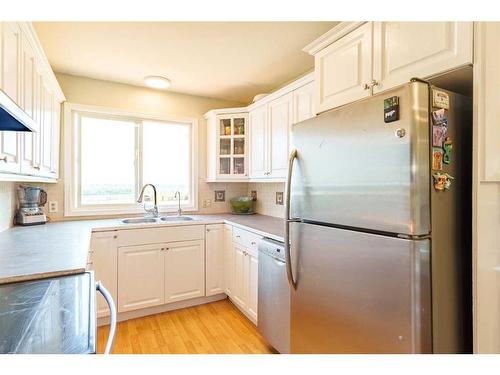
(288, 219)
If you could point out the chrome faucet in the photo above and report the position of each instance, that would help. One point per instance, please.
(178, 196)
(151, 211)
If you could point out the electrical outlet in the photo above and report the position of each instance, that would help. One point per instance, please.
(279, 198)
(53, 206)
(253, 194)
(207, 203)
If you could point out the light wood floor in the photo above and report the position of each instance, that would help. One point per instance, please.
(214, 328)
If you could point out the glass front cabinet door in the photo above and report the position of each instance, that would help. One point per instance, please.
(231, 160)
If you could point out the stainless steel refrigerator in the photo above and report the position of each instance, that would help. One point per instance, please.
(379, 252)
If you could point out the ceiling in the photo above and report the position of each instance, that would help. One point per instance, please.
(224, 60)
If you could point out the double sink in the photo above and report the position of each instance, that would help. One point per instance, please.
(144, 220)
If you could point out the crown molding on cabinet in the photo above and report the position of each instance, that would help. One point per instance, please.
(302, 81)
(225, 111)
(31, 35)
(331, 36)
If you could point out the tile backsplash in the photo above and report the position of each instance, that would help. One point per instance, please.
(266, 198)
(265, 204)
(7, 204)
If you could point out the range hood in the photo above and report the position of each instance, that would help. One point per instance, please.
(13, 118)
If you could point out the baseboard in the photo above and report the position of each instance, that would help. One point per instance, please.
(162, 308)
(249, 317)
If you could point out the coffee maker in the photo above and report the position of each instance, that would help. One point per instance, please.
(30, 200)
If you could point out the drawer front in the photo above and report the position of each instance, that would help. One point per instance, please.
(158, 235)
(247, 239)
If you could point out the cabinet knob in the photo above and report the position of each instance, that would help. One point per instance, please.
(366, 86)
(253, 243)
(115, 236)
(374, 83)
(208, 230)
(4, 159)
(37, 167)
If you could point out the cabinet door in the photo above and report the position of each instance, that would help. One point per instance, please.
(56, 135)
(10, 152)
(280, 121)
(46, 134)
(214, 267)
(252, 278)
(258, 142)
(303, 103)
(403, 50)
(11, 61)
(184, 270)
(140, 276)
(228, 259)
(30, 141)
(238, 292)
(232, 160)
(343, 68)
(104, 263)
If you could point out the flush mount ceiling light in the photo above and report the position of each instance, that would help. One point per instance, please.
(157, 82)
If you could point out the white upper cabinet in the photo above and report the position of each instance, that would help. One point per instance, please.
(304, 105)
(227, 145)
(344, 68)
(46, 138)
(403, 50)
(355, 60)
(27, 79)
(11, 60)
(258, 142)
(280, 121)
(270, 127)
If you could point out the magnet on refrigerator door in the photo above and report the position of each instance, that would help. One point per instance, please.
(437, 159)
(447, 149)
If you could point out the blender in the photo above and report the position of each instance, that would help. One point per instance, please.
(30, 200)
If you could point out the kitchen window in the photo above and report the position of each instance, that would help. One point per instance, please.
(112, 154)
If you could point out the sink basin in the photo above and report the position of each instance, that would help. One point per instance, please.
(139, 220)
(177, 218)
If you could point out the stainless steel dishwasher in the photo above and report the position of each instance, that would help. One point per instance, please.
(274, 295)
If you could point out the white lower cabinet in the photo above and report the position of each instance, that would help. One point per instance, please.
(252, 277)
(245, 287)
(141, 270)
(214, 262)
(145, 275)
(238, 293)
(103, 261)
(184, 270)
(228, 260)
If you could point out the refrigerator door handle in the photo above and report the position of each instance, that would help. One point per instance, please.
(288, 219)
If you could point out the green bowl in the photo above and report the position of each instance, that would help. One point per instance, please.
(242, 205)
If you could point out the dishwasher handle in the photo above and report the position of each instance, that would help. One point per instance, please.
(112, 322)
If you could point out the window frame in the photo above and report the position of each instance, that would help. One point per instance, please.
(72, 170)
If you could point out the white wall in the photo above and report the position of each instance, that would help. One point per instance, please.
(143, 100)
(7, 204)
(486, 186)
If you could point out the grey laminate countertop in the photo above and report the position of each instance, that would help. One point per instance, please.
(61, 248)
